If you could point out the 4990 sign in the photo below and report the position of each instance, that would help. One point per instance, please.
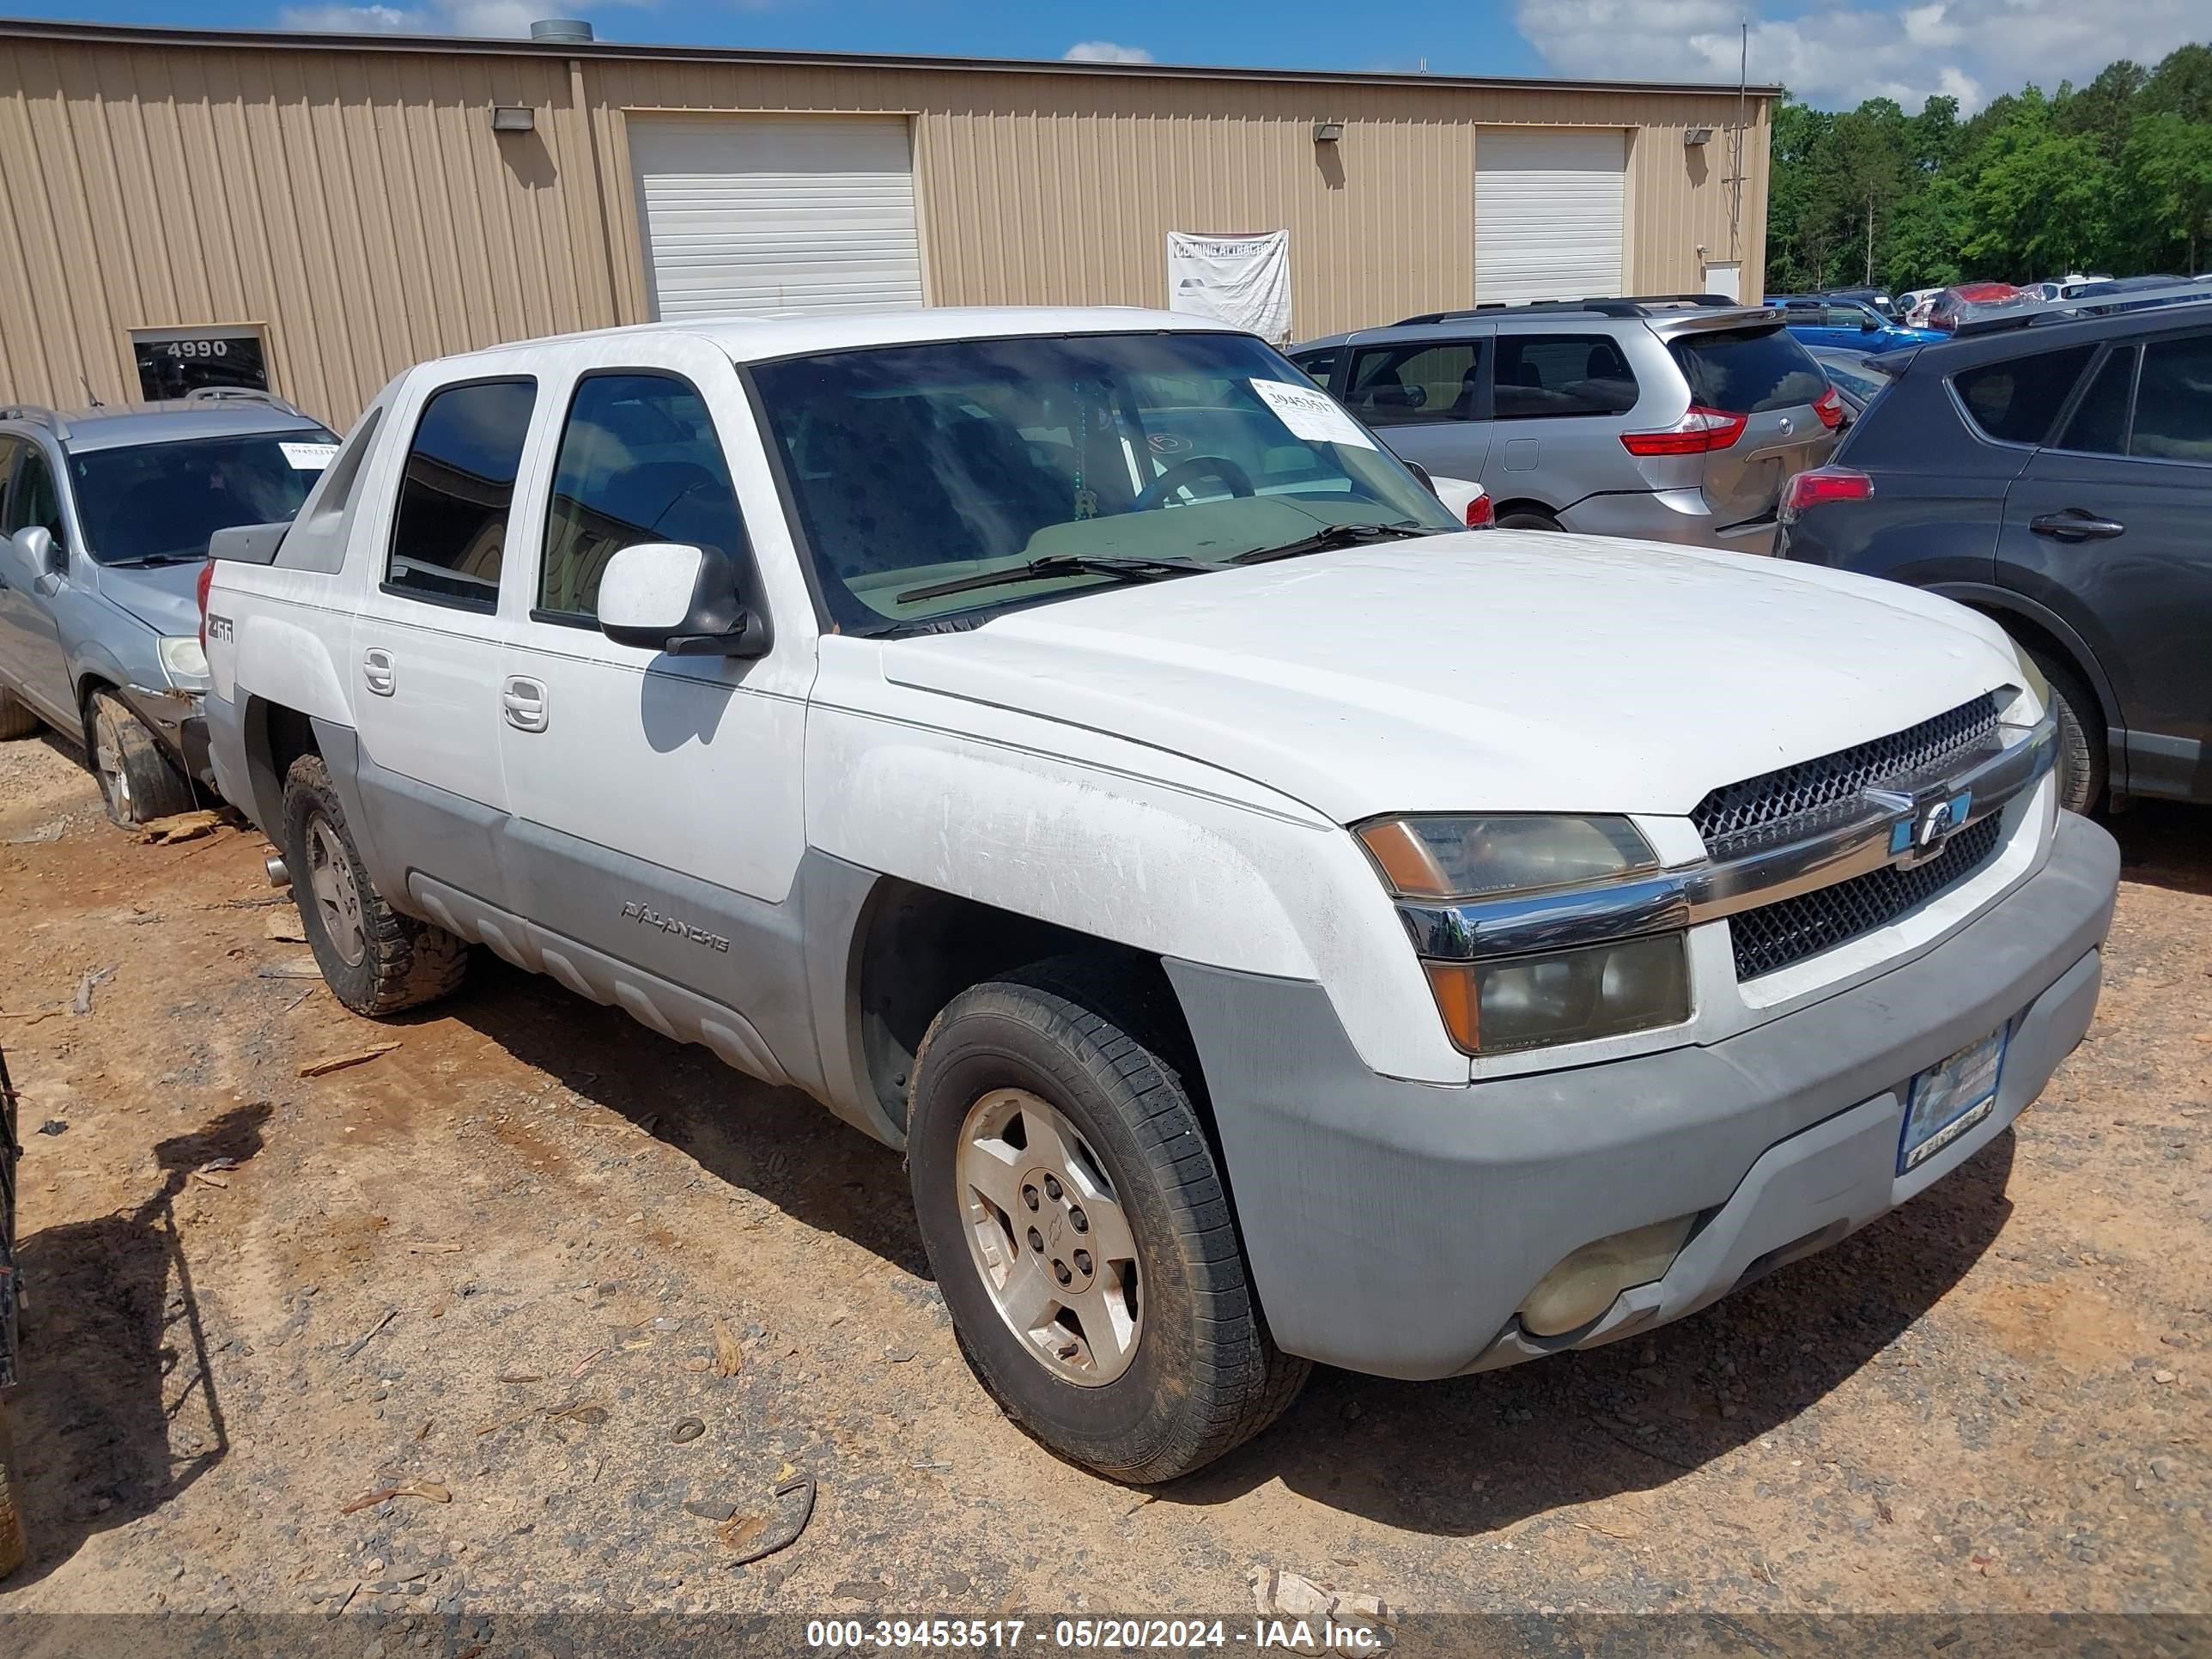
(172, 365)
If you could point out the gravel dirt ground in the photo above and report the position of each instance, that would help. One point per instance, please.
(484, 1268)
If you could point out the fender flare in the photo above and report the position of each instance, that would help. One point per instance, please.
(1999, 603)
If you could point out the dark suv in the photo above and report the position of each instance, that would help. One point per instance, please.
(2056, 475)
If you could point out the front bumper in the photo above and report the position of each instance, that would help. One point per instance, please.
(1394, 1227)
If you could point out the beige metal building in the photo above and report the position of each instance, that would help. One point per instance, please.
(179, 207)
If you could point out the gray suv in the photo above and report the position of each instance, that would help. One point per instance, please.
(1676, 419)
(105, 519)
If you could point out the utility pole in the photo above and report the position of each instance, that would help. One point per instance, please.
(1740, 138)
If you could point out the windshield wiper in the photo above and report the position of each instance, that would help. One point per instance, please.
(1061, 564)
(148, 560)
(1336, 535)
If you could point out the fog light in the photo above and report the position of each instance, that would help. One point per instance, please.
(1584, 1284)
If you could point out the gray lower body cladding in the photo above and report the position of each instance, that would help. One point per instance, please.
(1396, 1227)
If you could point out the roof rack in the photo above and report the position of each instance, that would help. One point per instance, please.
(2082, 310)
(240, 394)
(38, 415)
(1633, 305)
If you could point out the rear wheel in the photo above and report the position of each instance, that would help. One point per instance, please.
(1527, 518)
(1077, 1224)
(137, 779)
(17, 718)
(2081, 764)
(376, 961)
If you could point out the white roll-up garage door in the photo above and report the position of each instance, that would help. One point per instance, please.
(1548, 213)
(751, 214)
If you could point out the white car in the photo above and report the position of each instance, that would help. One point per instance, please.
(1277, 924)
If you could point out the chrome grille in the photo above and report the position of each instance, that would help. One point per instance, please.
(1774, 936)
(1738, 814)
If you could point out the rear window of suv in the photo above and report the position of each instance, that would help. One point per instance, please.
(2015, 400)
(1742, 371)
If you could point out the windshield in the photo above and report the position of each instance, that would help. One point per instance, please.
(1745, 371)
(159, 503)
(915, 465)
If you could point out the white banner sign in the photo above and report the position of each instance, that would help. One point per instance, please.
(1243, 281)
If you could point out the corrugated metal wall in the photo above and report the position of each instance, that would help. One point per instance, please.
(357, 205)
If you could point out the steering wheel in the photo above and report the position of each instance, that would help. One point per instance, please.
(1182, 472)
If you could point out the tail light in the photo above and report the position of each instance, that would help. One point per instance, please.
(1479, 514)
(1700, 432)
(1823, 484)
(1829, 406)
(200, 596)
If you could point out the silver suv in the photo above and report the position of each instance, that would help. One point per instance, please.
(1674, 419)
(105, 519)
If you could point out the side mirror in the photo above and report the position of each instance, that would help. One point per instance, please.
(1428, 481)
(682, 600)
(41, 552)
(1867, 325)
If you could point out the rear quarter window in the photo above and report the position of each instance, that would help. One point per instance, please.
(1743, 371)
(2015, 400)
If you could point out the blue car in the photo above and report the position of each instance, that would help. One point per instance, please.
(1848, 325)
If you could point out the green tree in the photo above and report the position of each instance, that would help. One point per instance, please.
(2168, 165)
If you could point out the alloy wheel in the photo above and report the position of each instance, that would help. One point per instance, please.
(329, 878)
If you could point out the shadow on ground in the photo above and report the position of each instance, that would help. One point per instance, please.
(2165, 843)
(1456, 1457)
(116, 1413)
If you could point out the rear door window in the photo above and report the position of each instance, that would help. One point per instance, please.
(2014, 401)
(2099, 425)
(2173, 401)
(449, 536)
(1406, 385)
(1543, 376)
(1744, 371)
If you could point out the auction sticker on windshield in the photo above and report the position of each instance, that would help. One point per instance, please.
(1312, 414)
(308, 458)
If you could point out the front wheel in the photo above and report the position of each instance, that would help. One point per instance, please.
(138, 779)
(1079, 1227)
(2081, 766)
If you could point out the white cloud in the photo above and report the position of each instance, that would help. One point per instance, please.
(1105, 51)
(1835, 56)
(491, 19)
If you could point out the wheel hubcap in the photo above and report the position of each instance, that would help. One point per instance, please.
(1050, 1237)
(329, 878)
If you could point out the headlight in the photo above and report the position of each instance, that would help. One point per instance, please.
(1447, 858)
(183, 659)
(1503, 1003)
(2031, 677)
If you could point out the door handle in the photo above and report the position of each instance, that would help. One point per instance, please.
(2076, 526)
(523, 703)
(376, 670)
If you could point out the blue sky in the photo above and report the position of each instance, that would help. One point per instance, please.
(1833, 53)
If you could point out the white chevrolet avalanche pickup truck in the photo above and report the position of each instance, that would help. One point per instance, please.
(1277, 923)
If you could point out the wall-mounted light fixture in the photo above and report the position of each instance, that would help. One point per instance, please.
(1328, 133)
(513, 118)
(1696, 136)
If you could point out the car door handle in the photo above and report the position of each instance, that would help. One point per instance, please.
(523, 701)
(2076, 526)
(376, 670)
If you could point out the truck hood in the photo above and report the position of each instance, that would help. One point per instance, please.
(1499, 670)
(160, 596)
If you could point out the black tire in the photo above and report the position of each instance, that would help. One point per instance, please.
(1527, 518)
(17, 718)
(2081, 770)
(400, 962)
(138, 779)
(1092, 1042)
(13, 1545)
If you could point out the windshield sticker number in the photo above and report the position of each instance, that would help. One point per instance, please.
(1312, 414)
(308, 458)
